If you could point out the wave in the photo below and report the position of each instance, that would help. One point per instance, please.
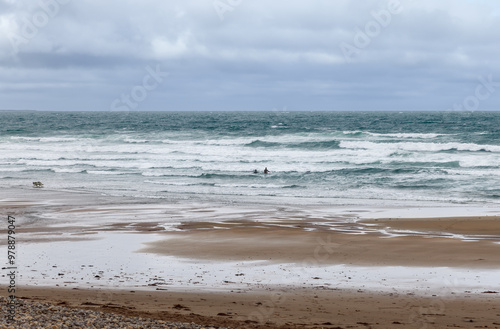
(70, 170)
(446, 164)
(420, 186)
(372, 170)
(329, 144)
(279, 126)
(419, 147)
(137, 141)
(457, 150)
(294, 186)
(333, 144)
(259, 143)
(178, 183)
(45, 139)
(37, 170)
(228, 185)
(110, 172)
(408, 135)
(388, 172)
(227, 176)
(355, 133)
(360, 134)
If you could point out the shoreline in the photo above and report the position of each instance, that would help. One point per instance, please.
(347, 266)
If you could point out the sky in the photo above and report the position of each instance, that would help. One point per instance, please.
(244, 55)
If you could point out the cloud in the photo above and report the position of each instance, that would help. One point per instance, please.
(260, 55)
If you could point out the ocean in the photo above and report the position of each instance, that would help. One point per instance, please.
(327, 157)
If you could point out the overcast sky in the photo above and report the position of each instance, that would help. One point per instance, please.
(250, 55)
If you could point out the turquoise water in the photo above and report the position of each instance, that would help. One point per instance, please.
(434, 156)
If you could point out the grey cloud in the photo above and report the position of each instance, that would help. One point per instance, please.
(262, 55)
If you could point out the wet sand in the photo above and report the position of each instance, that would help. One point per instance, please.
(297, 308)
(218, 241)
(429, 243)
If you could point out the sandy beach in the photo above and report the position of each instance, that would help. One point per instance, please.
(266, 266)
(295, 308)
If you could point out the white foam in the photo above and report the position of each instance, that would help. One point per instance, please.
(415, 146)
(178, 154)
(408, 135)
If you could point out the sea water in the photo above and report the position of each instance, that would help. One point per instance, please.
(328, 156)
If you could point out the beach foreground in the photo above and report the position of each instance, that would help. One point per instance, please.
(266, 266)
(296, 308)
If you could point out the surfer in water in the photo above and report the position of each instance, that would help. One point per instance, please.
(255, 171)
(266, 171)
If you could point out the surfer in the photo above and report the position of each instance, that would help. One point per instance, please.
(266, 171)
(255, 171)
